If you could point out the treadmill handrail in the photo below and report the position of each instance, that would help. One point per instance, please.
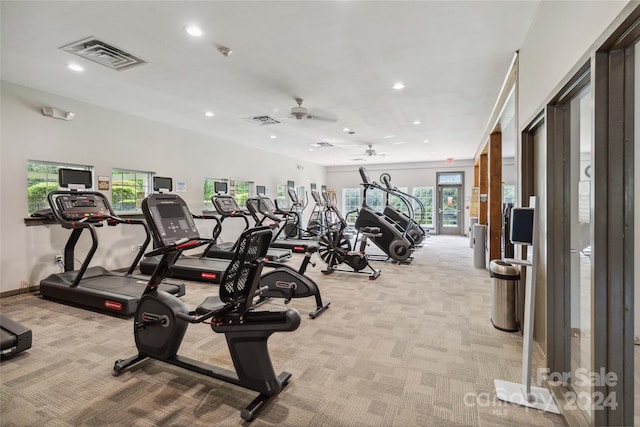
(88, 223)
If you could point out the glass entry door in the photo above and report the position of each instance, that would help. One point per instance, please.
(449, 212)
(579, 112)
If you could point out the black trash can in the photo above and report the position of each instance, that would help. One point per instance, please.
(504, 295)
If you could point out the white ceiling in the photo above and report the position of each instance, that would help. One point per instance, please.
(341, 57)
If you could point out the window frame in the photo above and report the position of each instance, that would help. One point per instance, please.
(207, 203)
(51, 178)
(428, 206)
(348, 206)
(146, 189)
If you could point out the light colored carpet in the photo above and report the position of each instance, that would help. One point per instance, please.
(413, 348)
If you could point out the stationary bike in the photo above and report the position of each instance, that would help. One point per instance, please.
(335, 246)
(161, 319)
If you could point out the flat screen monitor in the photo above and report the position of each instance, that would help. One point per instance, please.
(220, 187)
(162, 183)
(521, 226)
(291, 184)
(261, 190)
(323, 188)
(75, 178)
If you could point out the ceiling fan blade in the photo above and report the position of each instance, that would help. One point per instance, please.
(322, 115)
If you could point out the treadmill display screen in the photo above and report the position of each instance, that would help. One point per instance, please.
(170, 211)
(91, 207)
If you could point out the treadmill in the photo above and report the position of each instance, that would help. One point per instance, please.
(264, 212)
(227, 207)
(14, 337)
(93, 287)
(186, 267)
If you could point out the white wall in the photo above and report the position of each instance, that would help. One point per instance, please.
(419, 174)
(559, 39)
(107, 139)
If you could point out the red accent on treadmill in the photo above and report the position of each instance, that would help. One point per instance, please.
(298, 248)
(112, 305)
(210, 276)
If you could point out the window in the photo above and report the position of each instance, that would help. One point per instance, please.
(281, 195)
(351, 203)
(450, 178)
(209, 191)
(128, 189)
(509, 194)
(241, 191)
(375, 199)
(425, 195)
(397, 202)
(42, 179)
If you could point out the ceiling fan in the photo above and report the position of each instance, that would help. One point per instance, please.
(299, 112)
(369, 152)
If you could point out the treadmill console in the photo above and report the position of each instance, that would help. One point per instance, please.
(169, 218)
(75, 207)
(226, 205)
(266, 205)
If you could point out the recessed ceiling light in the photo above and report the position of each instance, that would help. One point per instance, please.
(75, 67)
(194, 30)
(417, 122)
(398, 86)
(209, 113)
(346, 129)
(388, 136)
(398, 143)
(426, 141)
(273, 137)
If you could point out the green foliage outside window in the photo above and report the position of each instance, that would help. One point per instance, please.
(42, 179)
(128, 189)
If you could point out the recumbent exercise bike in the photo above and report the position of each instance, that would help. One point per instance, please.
(161, 319)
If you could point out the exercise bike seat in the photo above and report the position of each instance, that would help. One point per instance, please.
(210, 304)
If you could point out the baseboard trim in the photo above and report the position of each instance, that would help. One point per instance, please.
(14, 292)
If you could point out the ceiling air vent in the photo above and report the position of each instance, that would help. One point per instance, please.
(103, 53)
(322, 144)
(262, 120)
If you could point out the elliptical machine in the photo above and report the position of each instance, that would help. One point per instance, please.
(161, 319)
